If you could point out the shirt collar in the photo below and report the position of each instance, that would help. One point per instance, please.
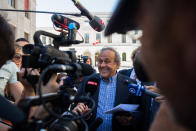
(113, 78)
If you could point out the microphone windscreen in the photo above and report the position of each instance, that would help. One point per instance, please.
(59, 20)
(61, 57)
(97, 24)
(87, 69)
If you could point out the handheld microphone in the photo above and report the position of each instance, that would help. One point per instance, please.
(138, 90)
(95, 22)
(87, 69)
(91, 86)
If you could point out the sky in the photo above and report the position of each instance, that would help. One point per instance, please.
(66, 6)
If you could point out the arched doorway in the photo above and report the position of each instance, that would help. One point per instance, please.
(96, 58)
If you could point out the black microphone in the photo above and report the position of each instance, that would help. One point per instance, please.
(91, 86)
(95, 22)
(95, 124)
(10, 112)
(87, 69)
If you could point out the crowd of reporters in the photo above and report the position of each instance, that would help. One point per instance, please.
(108, 88)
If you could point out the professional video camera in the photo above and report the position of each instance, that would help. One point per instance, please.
(49, 60)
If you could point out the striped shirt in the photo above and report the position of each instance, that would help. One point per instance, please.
(106, 99)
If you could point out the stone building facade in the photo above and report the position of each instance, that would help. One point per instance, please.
(23, 24)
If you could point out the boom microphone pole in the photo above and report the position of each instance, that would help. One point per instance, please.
(44, 12)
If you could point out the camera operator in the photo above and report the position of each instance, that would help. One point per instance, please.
(22, 42)
(7, 52)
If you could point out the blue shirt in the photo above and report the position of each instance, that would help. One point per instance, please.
(106, 99)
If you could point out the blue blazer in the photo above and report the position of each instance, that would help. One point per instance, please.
(140, 118)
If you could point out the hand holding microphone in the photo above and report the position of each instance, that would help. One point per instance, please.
(81, 108)
(90, 88)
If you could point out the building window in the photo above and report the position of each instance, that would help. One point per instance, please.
(43, 39)
(124, 56)
(50, 41)
(98, 38)
(110, 39)
(26, 14)
(86, 38)
(134, 41)
(124, 38)
(86, 21)
(96, 58)
(12, 3)
(26, 35)
(26, 7)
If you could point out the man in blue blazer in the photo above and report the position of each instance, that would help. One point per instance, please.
(112, 90)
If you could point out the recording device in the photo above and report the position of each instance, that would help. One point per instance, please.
(63, 22)
(60, 125)
(39, 57)
(76, 125)
(87, 69)
(49, 59)
(82, 58)
(139, 90)
(66, 24)
(95, 22)
(91, 86)
(60, 100)
(42, 56)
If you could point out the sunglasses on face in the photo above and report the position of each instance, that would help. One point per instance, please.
(18, 56)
